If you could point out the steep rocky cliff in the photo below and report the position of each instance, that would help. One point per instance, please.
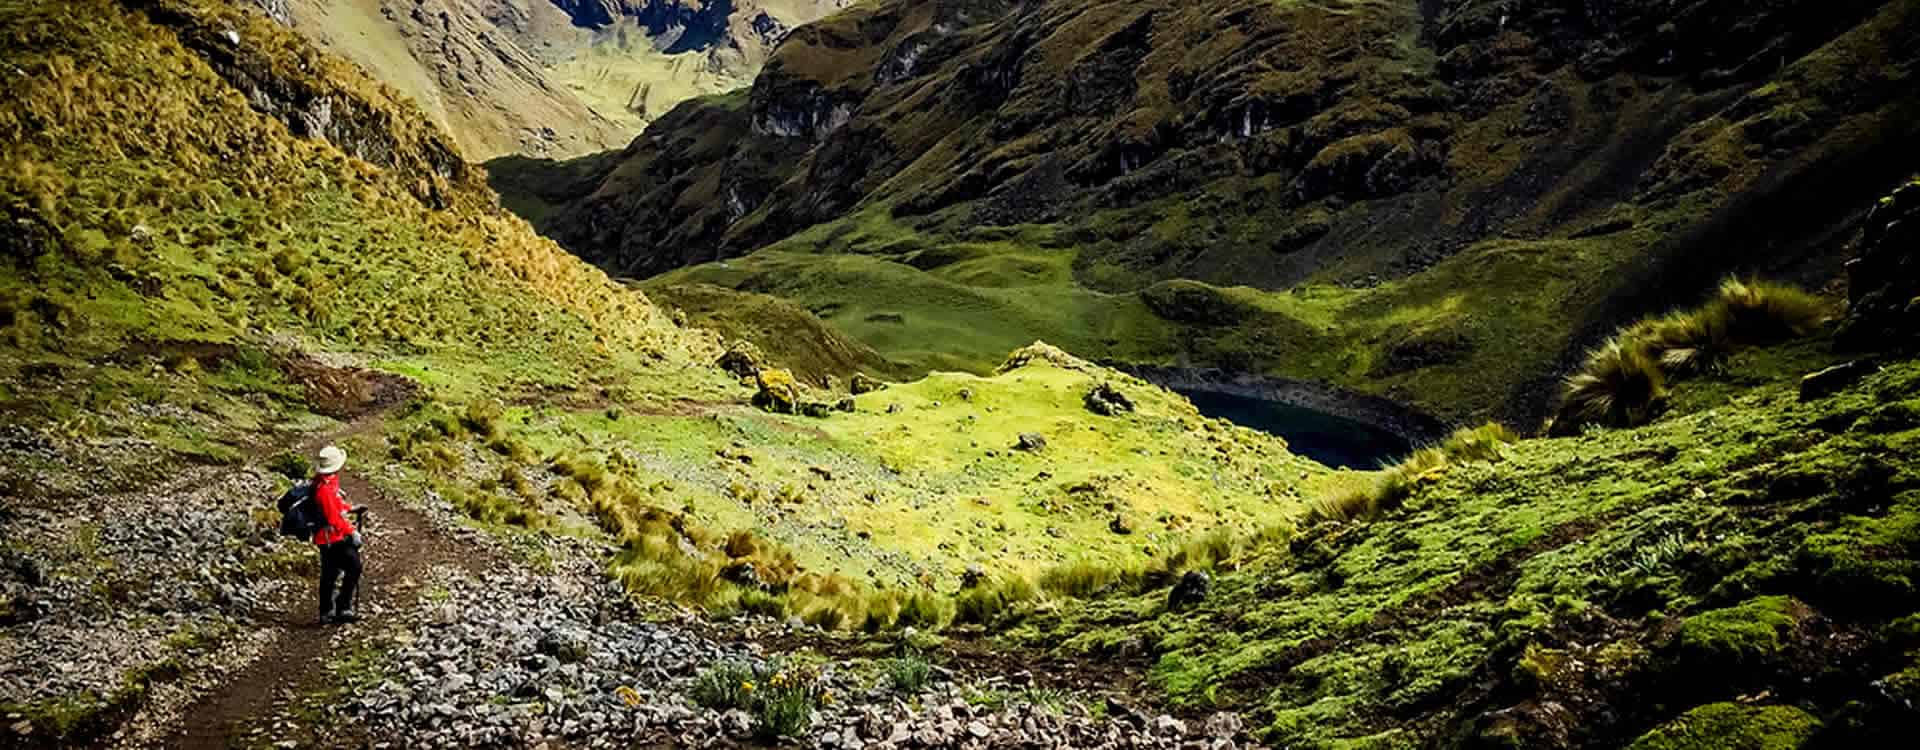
(548, 77)
(1414, 191)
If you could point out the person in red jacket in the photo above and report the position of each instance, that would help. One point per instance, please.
(338, 541)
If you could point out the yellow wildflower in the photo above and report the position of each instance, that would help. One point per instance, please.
(628, 695)
(747, 686)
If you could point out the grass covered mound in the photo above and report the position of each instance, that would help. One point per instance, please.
(925, 488)
(790, 336)
(1739, 572)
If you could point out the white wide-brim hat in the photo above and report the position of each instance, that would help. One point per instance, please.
(330, 461)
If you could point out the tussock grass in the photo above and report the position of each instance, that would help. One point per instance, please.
(1087, 579)
(1398, 482)
(1624, 382)
(1005, 601)
(896, 610)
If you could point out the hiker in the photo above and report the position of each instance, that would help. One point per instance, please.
(338, 541)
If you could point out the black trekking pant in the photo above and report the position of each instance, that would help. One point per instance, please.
(340, 560)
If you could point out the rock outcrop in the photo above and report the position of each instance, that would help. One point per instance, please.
(551, 78)
(1883, 282)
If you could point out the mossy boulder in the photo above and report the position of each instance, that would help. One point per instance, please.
(1740, 640)
(1730, 726)
(779, 392)
(1870, 564)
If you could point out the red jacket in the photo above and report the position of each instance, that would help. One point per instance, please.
(333, 507)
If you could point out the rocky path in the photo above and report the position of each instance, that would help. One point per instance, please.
(402, 548)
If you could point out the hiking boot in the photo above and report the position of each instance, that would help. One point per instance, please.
(345, 616)
(326, 616)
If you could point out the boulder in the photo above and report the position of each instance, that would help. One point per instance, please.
(973, 576)
(1832, 380)
(742, 573)
(779, 392)
(863, 383)
(1190, 591)
(1120, 525)
(845, 404)
(567, 648)
(1107, 401)
(816, 409)
(1031, 442)
(743, 359)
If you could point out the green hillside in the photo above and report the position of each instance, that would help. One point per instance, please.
(595, 522)
(1442, 203)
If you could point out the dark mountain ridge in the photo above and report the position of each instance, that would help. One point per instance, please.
(1284, 146)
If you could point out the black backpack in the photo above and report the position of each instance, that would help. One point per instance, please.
(300, 515)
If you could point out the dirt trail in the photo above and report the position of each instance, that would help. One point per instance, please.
(401, 548)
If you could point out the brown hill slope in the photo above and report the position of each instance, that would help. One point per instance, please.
(1460, 195)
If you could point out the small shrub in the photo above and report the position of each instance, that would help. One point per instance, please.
(510, 448)
(909, 673)
(826, 616)
(592, 476)
(725, 686)
(1396, 484)
(741, 544)
(290, 465)
(893, 610)
(784, 707)
(482, 417)
(512, 479)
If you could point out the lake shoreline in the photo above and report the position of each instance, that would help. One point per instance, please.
(1409, 424)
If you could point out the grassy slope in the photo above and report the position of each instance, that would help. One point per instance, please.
(937, 486)
(167, 273)
(1552, 594)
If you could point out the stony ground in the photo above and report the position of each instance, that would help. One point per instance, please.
(514, 657)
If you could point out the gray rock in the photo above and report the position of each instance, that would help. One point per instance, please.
(1834, 379)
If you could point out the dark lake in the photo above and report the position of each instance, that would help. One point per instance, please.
(1335, 441)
